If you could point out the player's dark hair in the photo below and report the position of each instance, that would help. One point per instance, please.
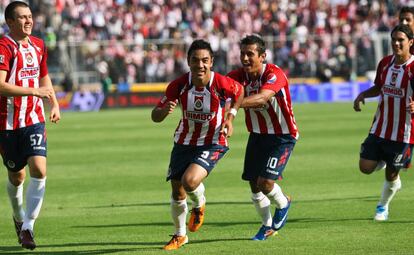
(254, 39)
(9, 11)
(405, 9)
(200, 44)
(404, 29)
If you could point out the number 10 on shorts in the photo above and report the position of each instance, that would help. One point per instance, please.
(272, 163)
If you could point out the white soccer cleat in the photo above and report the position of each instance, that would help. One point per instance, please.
(381, 213)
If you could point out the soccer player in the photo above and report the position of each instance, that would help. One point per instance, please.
(273, 132)
(406, 17)
(200, 139)
(24, 81)
(390, 139)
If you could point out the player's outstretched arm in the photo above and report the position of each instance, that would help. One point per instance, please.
(158, 114)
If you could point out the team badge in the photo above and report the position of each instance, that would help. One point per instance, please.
(11, 164)
(29, 59)
(394, 77)
(1, 59)
(271, 78)
(198, 103)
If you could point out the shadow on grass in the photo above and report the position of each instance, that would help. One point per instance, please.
(165, 204)
(220, 224)
(369, 220)
(365, 198)
(38, 250)
(19, 250)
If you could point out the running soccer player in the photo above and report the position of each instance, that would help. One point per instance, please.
(200, 139)
(273, 132)
(24, 81)
(390, 140)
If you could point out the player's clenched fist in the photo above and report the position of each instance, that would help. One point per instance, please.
(170, 106)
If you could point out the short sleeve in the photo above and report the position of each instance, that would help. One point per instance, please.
(5, 56)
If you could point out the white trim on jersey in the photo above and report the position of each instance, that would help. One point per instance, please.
(10, 100)
(218, 126)
(253, 118)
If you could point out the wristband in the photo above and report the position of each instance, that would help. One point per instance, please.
(233, 112)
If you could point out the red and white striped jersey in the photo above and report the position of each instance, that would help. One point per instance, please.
(392, 120)
(203, 109)
(25, 65)
(277, 117)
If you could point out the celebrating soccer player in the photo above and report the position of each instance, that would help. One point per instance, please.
(200, 139)
(24, 81)
(273, 132)
(391, 137)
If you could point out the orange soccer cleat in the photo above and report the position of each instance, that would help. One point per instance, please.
(176, 242)
(196, 218)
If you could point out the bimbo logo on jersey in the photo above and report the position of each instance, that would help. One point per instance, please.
(393, 91)
(199, 116)
(29, 73)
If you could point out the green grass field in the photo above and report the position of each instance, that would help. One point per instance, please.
(106, 191)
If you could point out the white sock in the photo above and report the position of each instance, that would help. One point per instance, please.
(276, 196)
(16, 200)
(179, 214)
(389, 190)
(197, 196)
(262, 204)
(34, 199)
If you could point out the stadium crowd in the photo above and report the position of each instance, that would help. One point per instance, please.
(146, 40)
